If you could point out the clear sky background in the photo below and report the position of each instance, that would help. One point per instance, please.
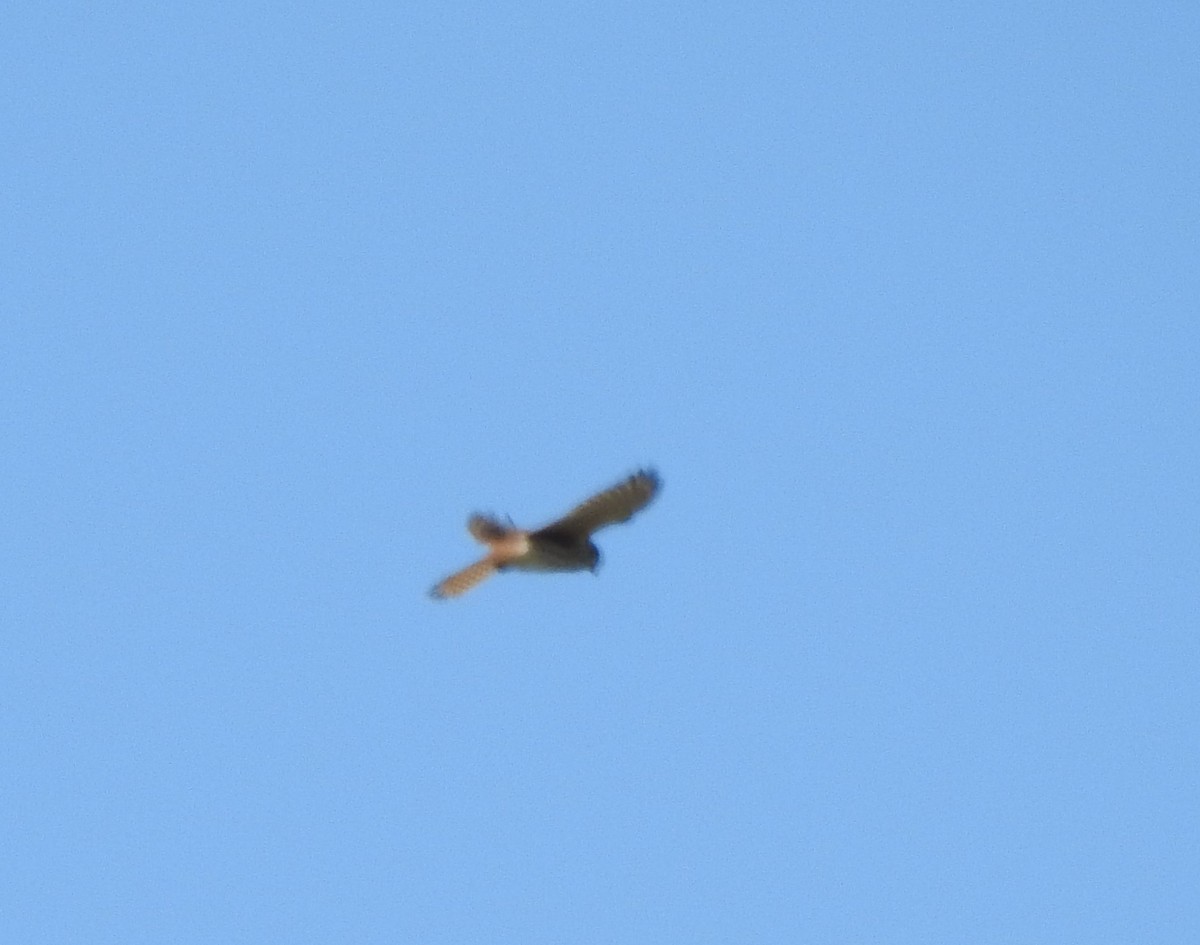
(900, 299)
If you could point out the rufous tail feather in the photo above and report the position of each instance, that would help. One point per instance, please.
(462, 581)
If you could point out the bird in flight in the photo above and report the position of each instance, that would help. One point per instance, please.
(564, 545)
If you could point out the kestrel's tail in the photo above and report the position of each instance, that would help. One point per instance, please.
(486, 529)
(462, 581)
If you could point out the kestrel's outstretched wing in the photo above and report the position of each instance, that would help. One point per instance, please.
(462, 581)
(617, 504)
(485, 529)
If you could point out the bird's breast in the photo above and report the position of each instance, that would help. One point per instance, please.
(549, 553)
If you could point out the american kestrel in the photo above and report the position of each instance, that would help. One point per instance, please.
(565, 545)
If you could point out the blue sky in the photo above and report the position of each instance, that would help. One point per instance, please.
(901, 301)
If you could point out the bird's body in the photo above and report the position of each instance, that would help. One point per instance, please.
(563, 545)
